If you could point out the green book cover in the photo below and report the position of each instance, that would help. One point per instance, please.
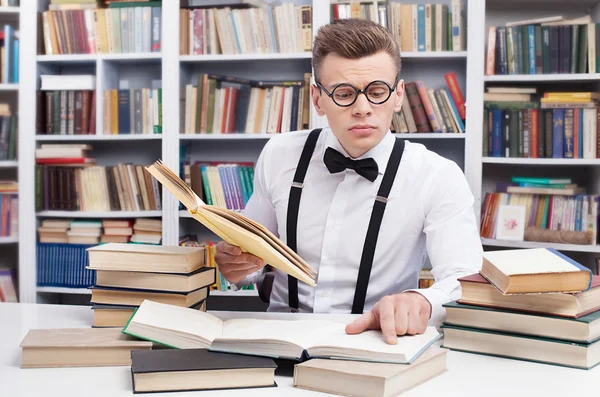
(541, 181)
(129, 4)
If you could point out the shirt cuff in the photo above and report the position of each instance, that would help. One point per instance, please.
(436, 298)
(250, 279)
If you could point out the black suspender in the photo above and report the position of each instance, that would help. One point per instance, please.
(294, 206)
(366, 260)
(368, 253)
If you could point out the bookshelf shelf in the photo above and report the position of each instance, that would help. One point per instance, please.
(9, 164)
(64, 290)
(246, 57)
(91, 58)
(535, 244)
(434, 55)
(9, 87)
(249, 292)
(538, 161)
(9, 240)
(133, 56)
(525, 78)
(93, 214)
(184, 214)
(231, 136)
(68, 58)
(121, 137)
(9, 10)
(431, 135)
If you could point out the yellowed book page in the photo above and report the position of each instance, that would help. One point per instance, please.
(530, 261)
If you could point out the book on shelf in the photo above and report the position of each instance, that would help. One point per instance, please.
(431, 110)
(9, 54)
(8, 280)
(226, 104)
(226, 185)
(75, 30)
(78, 347)
(548, 125)
(9, 134)
(561, 212)
(543, 46)
(63, 265)
(290, 339)
(132, 111)
(236, 229)
(66, 112)
(198, 369)
(416, 27)
(284, 28)
(535, 270)
(9, 213)
(351, 378)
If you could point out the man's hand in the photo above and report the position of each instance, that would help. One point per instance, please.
(395, 315)
(235, 265)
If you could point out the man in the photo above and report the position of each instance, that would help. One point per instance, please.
(362, 207)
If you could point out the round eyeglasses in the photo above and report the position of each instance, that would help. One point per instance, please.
(344, 95)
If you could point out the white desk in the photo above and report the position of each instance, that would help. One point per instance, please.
(468, 374)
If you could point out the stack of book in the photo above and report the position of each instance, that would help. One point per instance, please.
(550, 204)
(224, 104)
(82, 28)
(547, 45)
(557, 125)
(226, 185)
(256, 30)
(431, 110)
(116, 231)
(535, 304)
(147, 231)
(128, 274)
(86, 232)
(92, 232)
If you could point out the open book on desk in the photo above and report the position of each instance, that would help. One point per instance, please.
(235, 228)
(185, 328)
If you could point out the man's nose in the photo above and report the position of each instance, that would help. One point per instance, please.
(362, 106)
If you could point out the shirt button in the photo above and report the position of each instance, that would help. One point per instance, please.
(325, 294)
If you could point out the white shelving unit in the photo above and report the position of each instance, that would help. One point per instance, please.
(176, 70)
(99, 215)
(63, 290)
(487, 171)
(9, 164)
(9, 240)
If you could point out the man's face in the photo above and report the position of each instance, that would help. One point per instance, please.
(362, 125)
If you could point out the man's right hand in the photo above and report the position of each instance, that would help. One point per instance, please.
(235, 265)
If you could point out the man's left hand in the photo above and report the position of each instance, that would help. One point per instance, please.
(395, 315)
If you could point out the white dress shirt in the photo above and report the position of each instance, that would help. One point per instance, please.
(429, 212)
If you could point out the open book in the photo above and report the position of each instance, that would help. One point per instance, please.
(235, 228)
(185, 328)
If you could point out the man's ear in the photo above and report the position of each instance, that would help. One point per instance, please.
(315, 94)
(398, 96)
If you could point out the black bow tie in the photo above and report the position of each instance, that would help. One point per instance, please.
(337, 162)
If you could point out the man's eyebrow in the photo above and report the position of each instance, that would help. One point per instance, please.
(333, 85)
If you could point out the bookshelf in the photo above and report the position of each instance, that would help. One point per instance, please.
(175, 71)
(492, 170)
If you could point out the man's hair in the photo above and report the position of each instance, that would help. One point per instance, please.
(353, 39)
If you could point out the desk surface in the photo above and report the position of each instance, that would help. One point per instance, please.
(467, 375)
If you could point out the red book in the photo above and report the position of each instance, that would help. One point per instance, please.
(534, 133)
(456, 93)
(69, 160)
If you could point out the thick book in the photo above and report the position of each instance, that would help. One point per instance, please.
(536, 270)
(198, 369)
(584, 329)
(175, 282)
(351, 378)
(183, 328)
(522, 347)
(78, 347)
(118, 315)
(134, 297)
(235, 228)
(476, 290)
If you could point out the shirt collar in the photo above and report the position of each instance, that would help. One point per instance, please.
(380, 153)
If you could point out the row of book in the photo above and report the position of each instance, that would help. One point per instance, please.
(255, 30)
(120, 28)
(221, 284)
(550, 204)
(431, 110)
(63, 265)
(9, 134)
(543, 46)
(133, 111)
(225, 185)
(426, 279)
(9, 55)
(416, 27)
(9, 213)
(92, 231)
(128, 274)
(8, 282)
(225, 104)
(552, 319)
(560, 125)
(63, 112)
